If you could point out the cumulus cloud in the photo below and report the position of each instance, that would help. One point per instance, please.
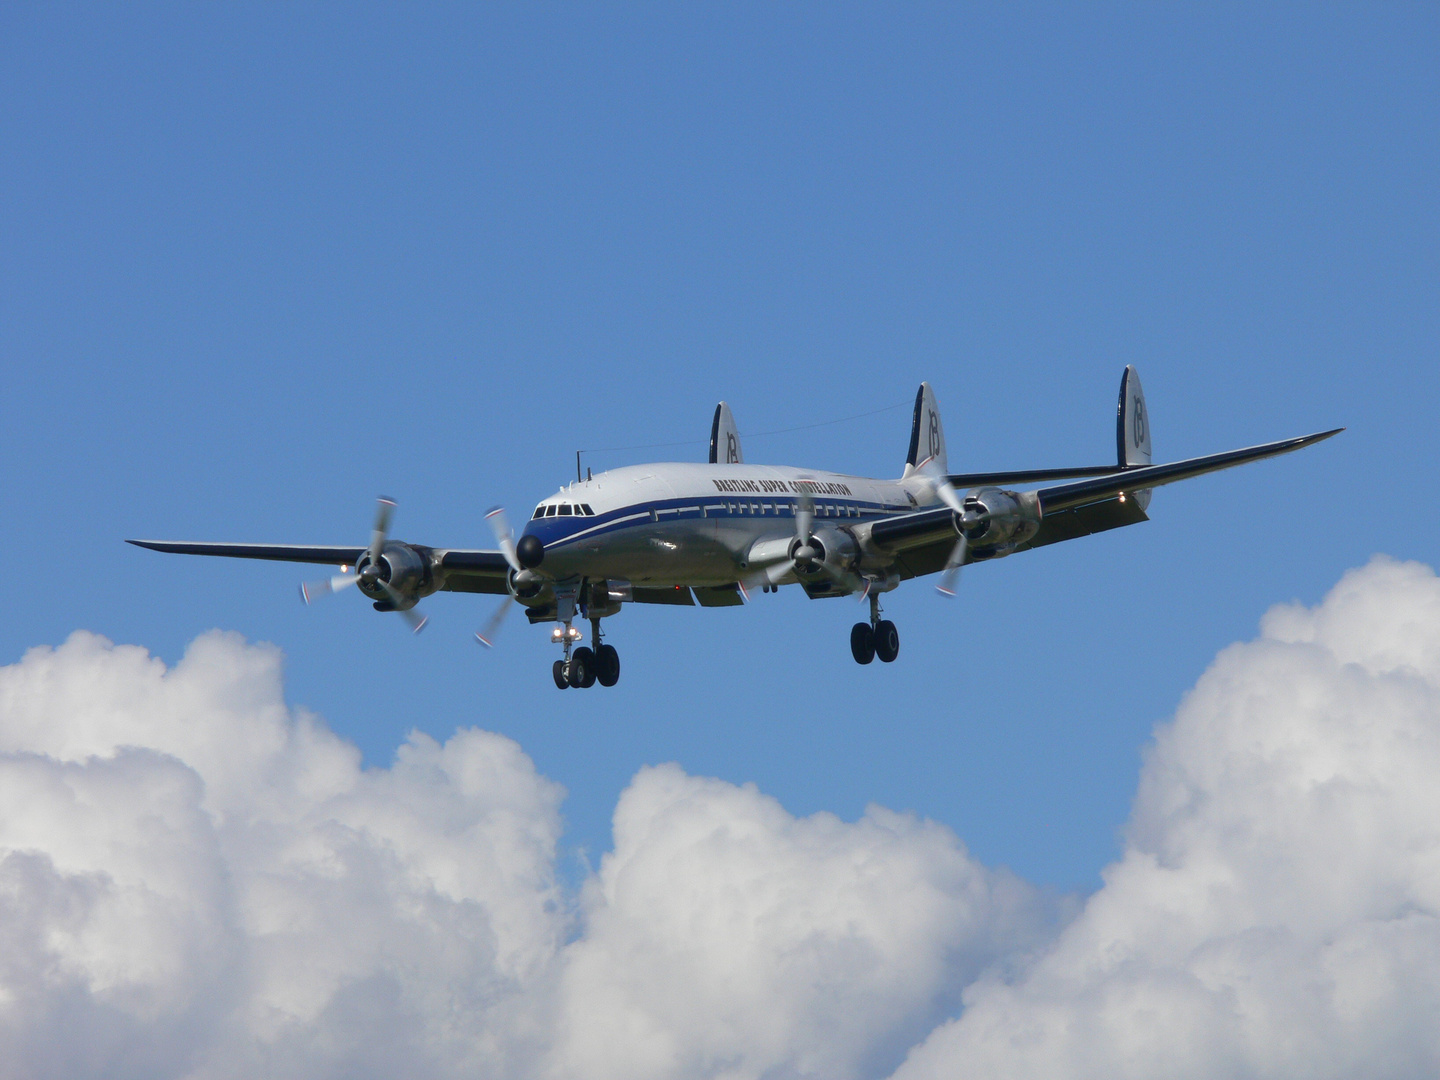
(1277, 908)
(197, 880)
(724, 937)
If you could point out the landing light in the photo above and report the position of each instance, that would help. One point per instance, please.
(557, 634)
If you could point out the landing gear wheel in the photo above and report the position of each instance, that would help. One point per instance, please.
(559, 672)
(582, 668)
(887, 641)
(607, 665)
(862, 643)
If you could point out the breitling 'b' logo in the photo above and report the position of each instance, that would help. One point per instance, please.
(1139, 406)
(732, 451)
(934, 434)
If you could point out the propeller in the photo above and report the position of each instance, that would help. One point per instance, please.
(314, 590)
(505, 541)
(806, 554)
(504, 538)
(940, 486)
(486, 635)
(951, 578)
(370, 576)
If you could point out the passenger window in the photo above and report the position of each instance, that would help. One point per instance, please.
(566, 510)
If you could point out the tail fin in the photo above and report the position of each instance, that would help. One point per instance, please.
(1132, 429)
(927, 437)
(1132, 426)
(724, 438)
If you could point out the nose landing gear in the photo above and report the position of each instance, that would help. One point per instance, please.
(878, 637)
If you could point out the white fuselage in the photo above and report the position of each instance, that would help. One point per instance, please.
(678, 523)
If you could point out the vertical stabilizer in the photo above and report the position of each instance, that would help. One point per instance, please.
(1132, 428)
(927, 437)
(724, 438)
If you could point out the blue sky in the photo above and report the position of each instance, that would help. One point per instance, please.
(259, 265)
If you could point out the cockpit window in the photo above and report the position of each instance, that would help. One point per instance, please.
(550, 510)
(566, 510)
(539, 512)
(585, 509)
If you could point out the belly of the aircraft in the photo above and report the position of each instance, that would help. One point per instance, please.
(663, 553)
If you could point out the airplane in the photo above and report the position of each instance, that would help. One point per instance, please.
(711, 533)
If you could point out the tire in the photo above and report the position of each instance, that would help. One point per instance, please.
(607, 665)
(887, 641)
(583, 660)
(559, 672)
(578, 669)
(862, 643)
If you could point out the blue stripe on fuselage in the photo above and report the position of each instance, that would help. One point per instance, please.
(560, 531)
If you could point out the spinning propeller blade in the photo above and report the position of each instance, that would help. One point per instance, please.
(384, 508)
(313, 590)
(486, 635)
(951, 579)
(504, 538)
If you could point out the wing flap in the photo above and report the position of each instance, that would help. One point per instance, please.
(1085, 520)
(650, 595)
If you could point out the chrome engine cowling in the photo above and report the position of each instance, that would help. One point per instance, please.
(996, 522)
(403, 568)
(529, 588)
(833, 547)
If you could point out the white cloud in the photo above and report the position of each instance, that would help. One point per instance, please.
(194, 881)
(198, 881)
(1277, 909)
(724, 937)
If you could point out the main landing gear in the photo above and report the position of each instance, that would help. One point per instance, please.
(584, 667)
(878, 637)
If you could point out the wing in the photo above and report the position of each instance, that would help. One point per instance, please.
(472, 571)
(961, 481)
(463, 570)
(923, 540)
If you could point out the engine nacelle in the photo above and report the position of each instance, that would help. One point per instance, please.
(996, 522)
(834, 548)
(402, 567)
(529, 588)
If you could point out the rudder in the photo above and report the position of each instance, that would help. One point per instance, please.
(927, 436)
(1132, 425)
(724, 438)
